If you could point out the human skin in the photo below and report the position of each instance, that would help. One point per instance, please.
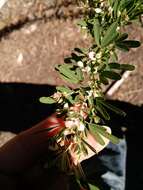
(24, 150)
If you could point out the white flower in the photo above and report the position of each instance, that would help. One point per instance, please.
(57, 95)
(66, 105)
(91, 55)
(90, 93)
(96, 70)
(80, 63)
(110, 9)
(81, 126)
(118, 28)
(102, 4)
(98, 10)
(71, 123)
(96, 94)
(99, 55)
(87, 69)
(66, 132)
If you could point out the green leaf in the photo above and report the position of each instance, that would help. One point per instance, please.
(115, 7)
(93, 187)
(75, 57)
(122, 47)
(70, 80)
(102, 111)
(103, 80)
(127, 67)
(111, 107)
(114, 65)
(96, 135)
(68, 60)
(70, 99)
(79, 50)
(122, 37)
(124, 67)
(110, 35)
(111, 2)
(96, 30)
(137, 13)
(64, 89)
(112, 138)
(82, 23)
(67, 73)
(131, 43)
(111, 75)
(47, 100)
(125, 4)
(114, 56)
(91, 101)
(79, 74)
(77, 98)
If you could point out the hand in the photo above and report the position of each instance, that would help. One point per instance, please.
(20, 155)
(24, 150)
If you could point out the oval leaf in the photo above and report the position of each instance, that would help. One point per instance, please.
(70, 80)
(79, 74)
(103, 80)
(64, 89)
(131, 43)
(112, 138)
(122, 37)
(127, 67)
(93, 187)
(96, 30)
(122, 47)
(110, 35)
(102, 111)
(47, 100)
(97, 136)
(114, 65)
(111, 75)
(111, 107)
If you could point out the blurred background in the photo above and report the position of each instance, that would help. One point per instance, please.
(35, 35)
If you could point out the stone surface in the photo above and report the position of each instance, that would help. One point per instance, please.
(15, 11)
(30, 54)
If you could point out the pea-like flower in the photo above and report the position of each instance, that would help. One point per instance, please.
(91, 55)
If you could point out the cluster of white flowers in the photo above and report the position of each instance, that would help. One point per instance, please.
(74, 123)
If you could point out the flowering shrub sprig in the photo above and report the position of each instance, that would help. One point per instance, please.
(84, 109)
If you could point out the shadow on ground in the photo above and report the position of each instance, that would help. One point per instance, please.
(20, 109)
